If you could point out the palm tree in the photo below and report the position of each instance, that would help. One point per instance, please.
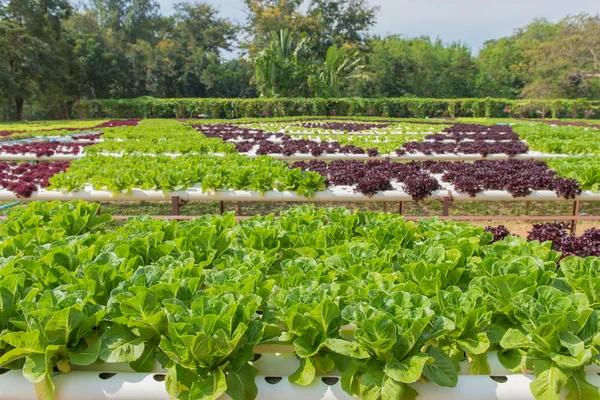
(278, 68)
(340, 66)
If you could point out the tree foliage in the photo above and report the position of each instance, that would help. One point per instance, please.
(340, 67)
(418, 67)
(562, 59)
(281, 70)
(54, 53)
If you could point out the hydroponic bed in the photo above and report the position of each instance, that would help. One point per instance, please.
(325, 304)
(165, 160)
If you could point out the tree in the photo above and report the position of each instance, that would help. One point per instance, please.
(561, 59)
(40, 18)
(95, 62)
(339, 68)
(30, 41)
(400, 66)
(230, 79)
(142, 20)
(199, 25)
(281, 70)
(498, 69)
(127, 21)
(331, 21)
(342, 22)
(200, 36)
(110, 16)
(21, 55)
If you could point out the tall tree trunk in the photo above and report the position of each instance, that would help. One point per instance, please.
(19, 104)
(66, 111)
(79, 108)
(96, 108)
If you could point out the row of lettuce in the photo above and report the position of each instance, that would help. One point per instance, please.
(197, 297)
(122, 174)
(168, 136)
(23, 130)
(542, 137)
(153, 171)
(551, 139)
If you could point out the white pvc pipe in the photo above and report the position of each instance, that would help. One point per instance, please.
(91, 141)
(451, 141)
(92, 195)
(497, 369)
(33, 157)
(324, 157)
(536, 195)
(473, 157)
(72, 157)
(333, 194)
(280, 360)
(358, 133)
(305, 156)
(79, 385)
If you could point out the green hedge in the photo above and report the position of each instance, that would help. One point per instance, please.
(148, 107)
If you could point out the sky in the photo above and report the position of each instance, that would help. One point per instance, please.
(470, 21)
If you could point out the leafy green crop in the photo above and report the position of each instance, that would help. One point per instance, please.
(158, 136)
(585, 169)
(122, 174)
(560, 139)
(385, 143)
(385, 303)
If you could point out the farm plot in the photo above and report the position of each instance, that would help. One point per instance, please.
(458, 142)
(238, 178)
(561, 139)
(461, 141)
(62, 128)
(158, 159)
(165, 160)
(316, 304)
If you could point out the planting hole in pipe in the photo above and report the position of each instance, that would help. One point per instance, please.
(330, 380)
(106, 375)
(3, 371)
(256, 357)
(159, 377)
(273, 380)
(499, 379)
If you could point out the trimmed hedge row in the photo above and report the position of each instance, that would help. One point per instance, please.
(148, 107)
